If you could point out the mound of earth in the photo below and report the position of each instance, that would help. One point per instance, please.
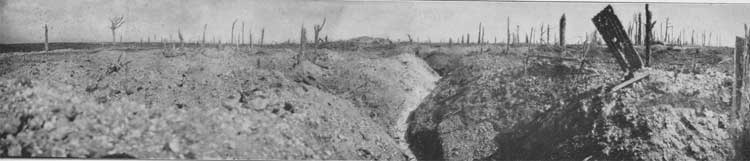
(366, 40)
(493, 108)
(208, 104)
(363, 42)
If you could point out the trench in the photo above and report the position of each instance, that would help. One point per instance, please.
(403, 125)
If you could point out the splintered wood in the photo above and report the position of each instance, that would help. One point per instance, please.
(617, 40)
(739, 73)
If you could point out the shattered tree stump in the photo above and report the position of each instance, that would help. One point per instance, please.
(739, 74)
(617, 40)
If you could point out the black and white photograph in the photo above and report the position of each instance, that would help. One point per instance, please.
(375, 80)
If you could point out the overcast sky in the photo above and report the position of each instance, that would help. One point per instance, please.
(87, 20)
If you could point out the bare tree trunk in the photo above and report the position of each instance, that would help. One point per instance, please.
(479, 34)
(302, 41)
(242, 34)
(231, 37)
(739, 55)
(531, 35)
(317, 29)
(639, 37)
(518, 34)
(548, 31)
(114, 40)
(666, 31)
(507, 43)
(692, 38)
(203, 41)
(46, 38)
(179, 35)
(648, 39)
(262, 35)
(541, 34)
(562, 32)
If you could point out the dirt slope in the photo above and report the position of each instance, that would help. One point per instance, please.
(208, 104)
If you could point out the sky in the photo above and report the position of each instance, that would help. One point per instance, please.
(21, 21)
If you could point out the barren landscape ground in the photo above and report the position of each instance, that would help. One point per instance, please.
(209, 103)
(619, 97)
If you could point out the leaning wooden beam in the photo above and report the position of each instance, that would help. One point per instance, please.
(556, 58)
(627, 83)
(617, 40)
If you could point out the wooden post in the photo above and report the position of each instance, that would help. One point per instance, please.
(46, 38)
(739, 73)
